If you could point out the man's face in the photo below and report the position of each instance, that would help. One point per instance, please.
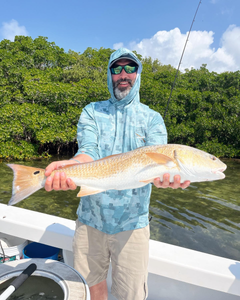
(123, 82)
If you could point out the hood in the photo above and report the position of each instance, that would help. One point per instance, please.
(134, 92)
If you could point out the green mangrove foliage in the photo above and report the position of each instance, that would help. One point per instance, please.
(43, 90)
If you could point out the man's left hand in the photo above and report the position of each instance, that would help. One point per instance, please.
(167, 184)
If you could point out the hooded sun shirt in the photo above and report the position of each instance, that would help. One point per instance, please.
(112, 127)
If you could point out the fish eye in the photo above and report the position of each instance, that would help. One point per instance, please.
(36, 172)
(213, 157)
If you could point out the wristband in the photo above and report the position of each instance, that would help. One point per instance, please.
(75, 160)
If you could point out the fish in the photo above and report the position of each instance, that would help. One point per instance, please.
(129, 170)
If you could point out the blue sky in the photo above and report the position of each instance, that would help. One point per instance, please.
(154, 28)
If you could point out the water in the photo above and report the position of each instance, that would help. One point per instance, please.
(35, 288)
(204, 217)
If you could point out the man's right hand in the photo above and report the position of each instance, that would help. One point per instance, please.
(59, 181)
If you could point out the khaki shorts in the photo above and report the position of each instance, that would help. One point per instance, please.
(129, 253)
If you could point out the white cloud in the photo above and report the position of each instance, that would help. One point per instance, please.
(11, 29)
(167, 46)
(117, 46)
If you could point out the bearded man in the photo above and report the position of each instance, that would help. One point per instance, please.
(114, 224)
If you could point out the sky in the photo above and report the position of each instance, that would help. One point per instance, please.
(155, 28)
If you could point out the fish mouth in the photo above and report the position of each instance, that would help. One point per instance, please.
(219, 172)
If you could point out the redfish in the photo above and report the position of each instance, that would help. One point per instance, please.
(130, 170)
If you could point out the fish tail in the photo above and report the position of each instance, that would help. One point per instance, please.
(26, 181)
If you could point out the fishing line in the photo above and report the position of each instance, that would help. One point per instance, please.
(181, 59)
(3, 253)
(4, 257)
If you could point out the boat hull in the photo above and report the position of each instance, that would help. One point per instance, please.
(174, 272)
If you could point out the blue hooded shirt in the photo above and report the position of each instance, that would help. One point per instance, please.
(112, 127)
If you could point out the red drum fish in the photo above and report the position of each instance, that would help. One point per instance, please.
(128, 170)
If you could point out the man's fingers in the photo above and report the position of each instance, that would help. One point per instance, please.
(48, 171)
(173, 185)
(56, 181)
(166, 180)
(59, 182)
(185, 184)
(162, 184)
(66, 183)
(55, 166)
(176, 182)
(63, 182)
(48, 184)
(50, 168)
(71, 184)
(157, 182)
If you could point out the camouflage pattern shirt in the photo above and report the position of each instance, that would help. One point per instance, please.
(113, 127)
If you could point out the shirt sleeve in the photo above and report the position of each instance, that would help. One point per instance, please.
(157, 132)
(87, 133)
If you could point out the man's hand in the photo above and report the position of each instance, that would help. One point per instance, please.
(59, 181)
(166, 182)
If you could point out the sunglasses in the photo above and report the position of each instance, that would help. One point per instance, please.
(129, 69)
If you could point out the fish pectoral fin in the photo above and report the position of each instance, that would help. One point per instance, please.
(161, 159)
(181, 166)
(86, 191)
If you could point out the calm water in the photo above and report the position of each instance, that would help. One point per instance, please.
(204, 217)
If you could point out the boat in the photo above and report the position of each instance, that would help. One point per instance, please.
(175, 273)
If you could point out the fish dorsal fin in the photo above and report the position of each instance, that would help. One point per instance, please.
(161, 159)
(86, 191)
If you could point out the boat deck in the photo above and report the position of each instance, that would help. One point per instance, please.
(175, 273)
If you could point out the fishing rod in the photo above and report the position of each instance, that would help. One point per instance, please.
(181, 58)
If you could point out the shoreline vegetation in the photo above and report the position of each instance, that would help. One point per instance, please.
(43, 90)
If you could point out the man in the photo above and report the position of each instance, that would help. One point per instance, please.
(114, 224)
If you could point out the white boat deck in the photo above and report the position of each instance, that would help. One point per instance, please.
(174, 272)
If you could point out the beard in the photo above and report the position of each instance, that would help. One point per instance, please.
(121, 93)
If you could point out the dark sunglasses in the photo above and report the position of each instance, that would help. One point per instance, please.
(130, 68)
